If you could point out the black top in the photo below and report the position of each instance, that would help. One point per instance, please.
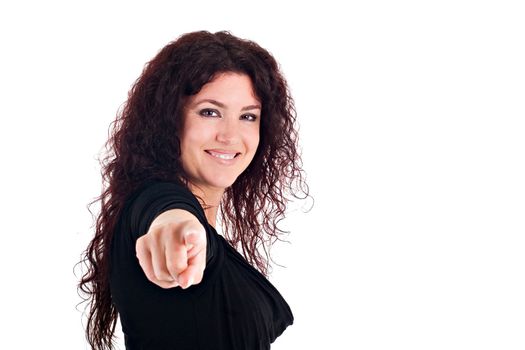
(234, 306)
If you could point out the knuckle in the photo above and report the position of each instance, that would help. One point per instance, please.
(166, 285)
(198, 278)
(170, 227)
(164, 276)
(151, 277)
(157, 271)
(172, 267)
(177, 265)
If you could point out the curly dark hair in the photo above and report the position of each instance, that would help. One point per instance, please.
(144, 145)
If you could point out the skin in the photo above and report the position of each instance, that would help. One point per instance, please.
(234, 126)
(223, 117)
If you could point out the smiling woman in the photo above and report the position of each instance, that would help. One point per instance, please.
(220, 135)
(208, 128)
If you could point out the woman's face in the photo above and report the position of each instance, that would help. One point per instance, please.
(220, 131)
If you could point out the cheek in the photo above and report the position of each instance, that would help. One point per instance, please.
(194, 138)
(253, 140)
(189, 148)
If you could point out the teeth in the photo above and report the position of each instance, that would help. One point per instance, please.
(222, 156)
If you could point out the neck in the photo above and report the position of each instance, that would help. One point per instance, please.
(212, 199)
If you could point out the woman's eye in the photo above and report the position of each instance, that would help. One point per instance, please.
(208, 112)
(250, 117)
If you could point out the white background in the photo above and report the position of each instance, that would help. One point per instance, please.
(412, 130)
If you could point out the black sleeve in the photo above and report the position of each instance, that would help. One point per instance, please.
(157, 197)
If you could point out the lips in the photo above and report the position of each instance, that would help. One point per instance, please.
(222, 154)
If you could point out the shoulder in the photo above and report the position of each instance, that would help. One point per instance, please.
(163, 195)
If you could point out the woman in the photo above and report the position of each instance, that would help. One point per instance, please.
(208, 130)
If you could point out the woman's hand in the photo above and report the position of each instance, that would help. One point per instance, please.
(173, 251)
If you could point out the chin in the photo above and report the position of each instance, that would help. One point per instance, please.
(222, 183)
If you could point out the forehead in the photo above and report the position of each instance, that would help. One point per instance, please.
(229, 88)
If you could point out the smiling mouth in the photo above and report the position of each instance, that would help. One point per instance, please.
(225, 156)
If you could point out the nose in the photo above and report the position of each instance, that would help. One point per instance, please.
(228, 132)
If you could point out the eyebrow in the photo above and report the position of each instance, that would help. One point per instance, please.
(222, 105)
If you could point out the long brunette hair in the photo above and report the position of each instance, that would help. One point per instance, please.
(144, 145)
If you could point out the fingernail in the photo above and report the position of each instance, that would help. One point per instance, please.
(190, 281)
